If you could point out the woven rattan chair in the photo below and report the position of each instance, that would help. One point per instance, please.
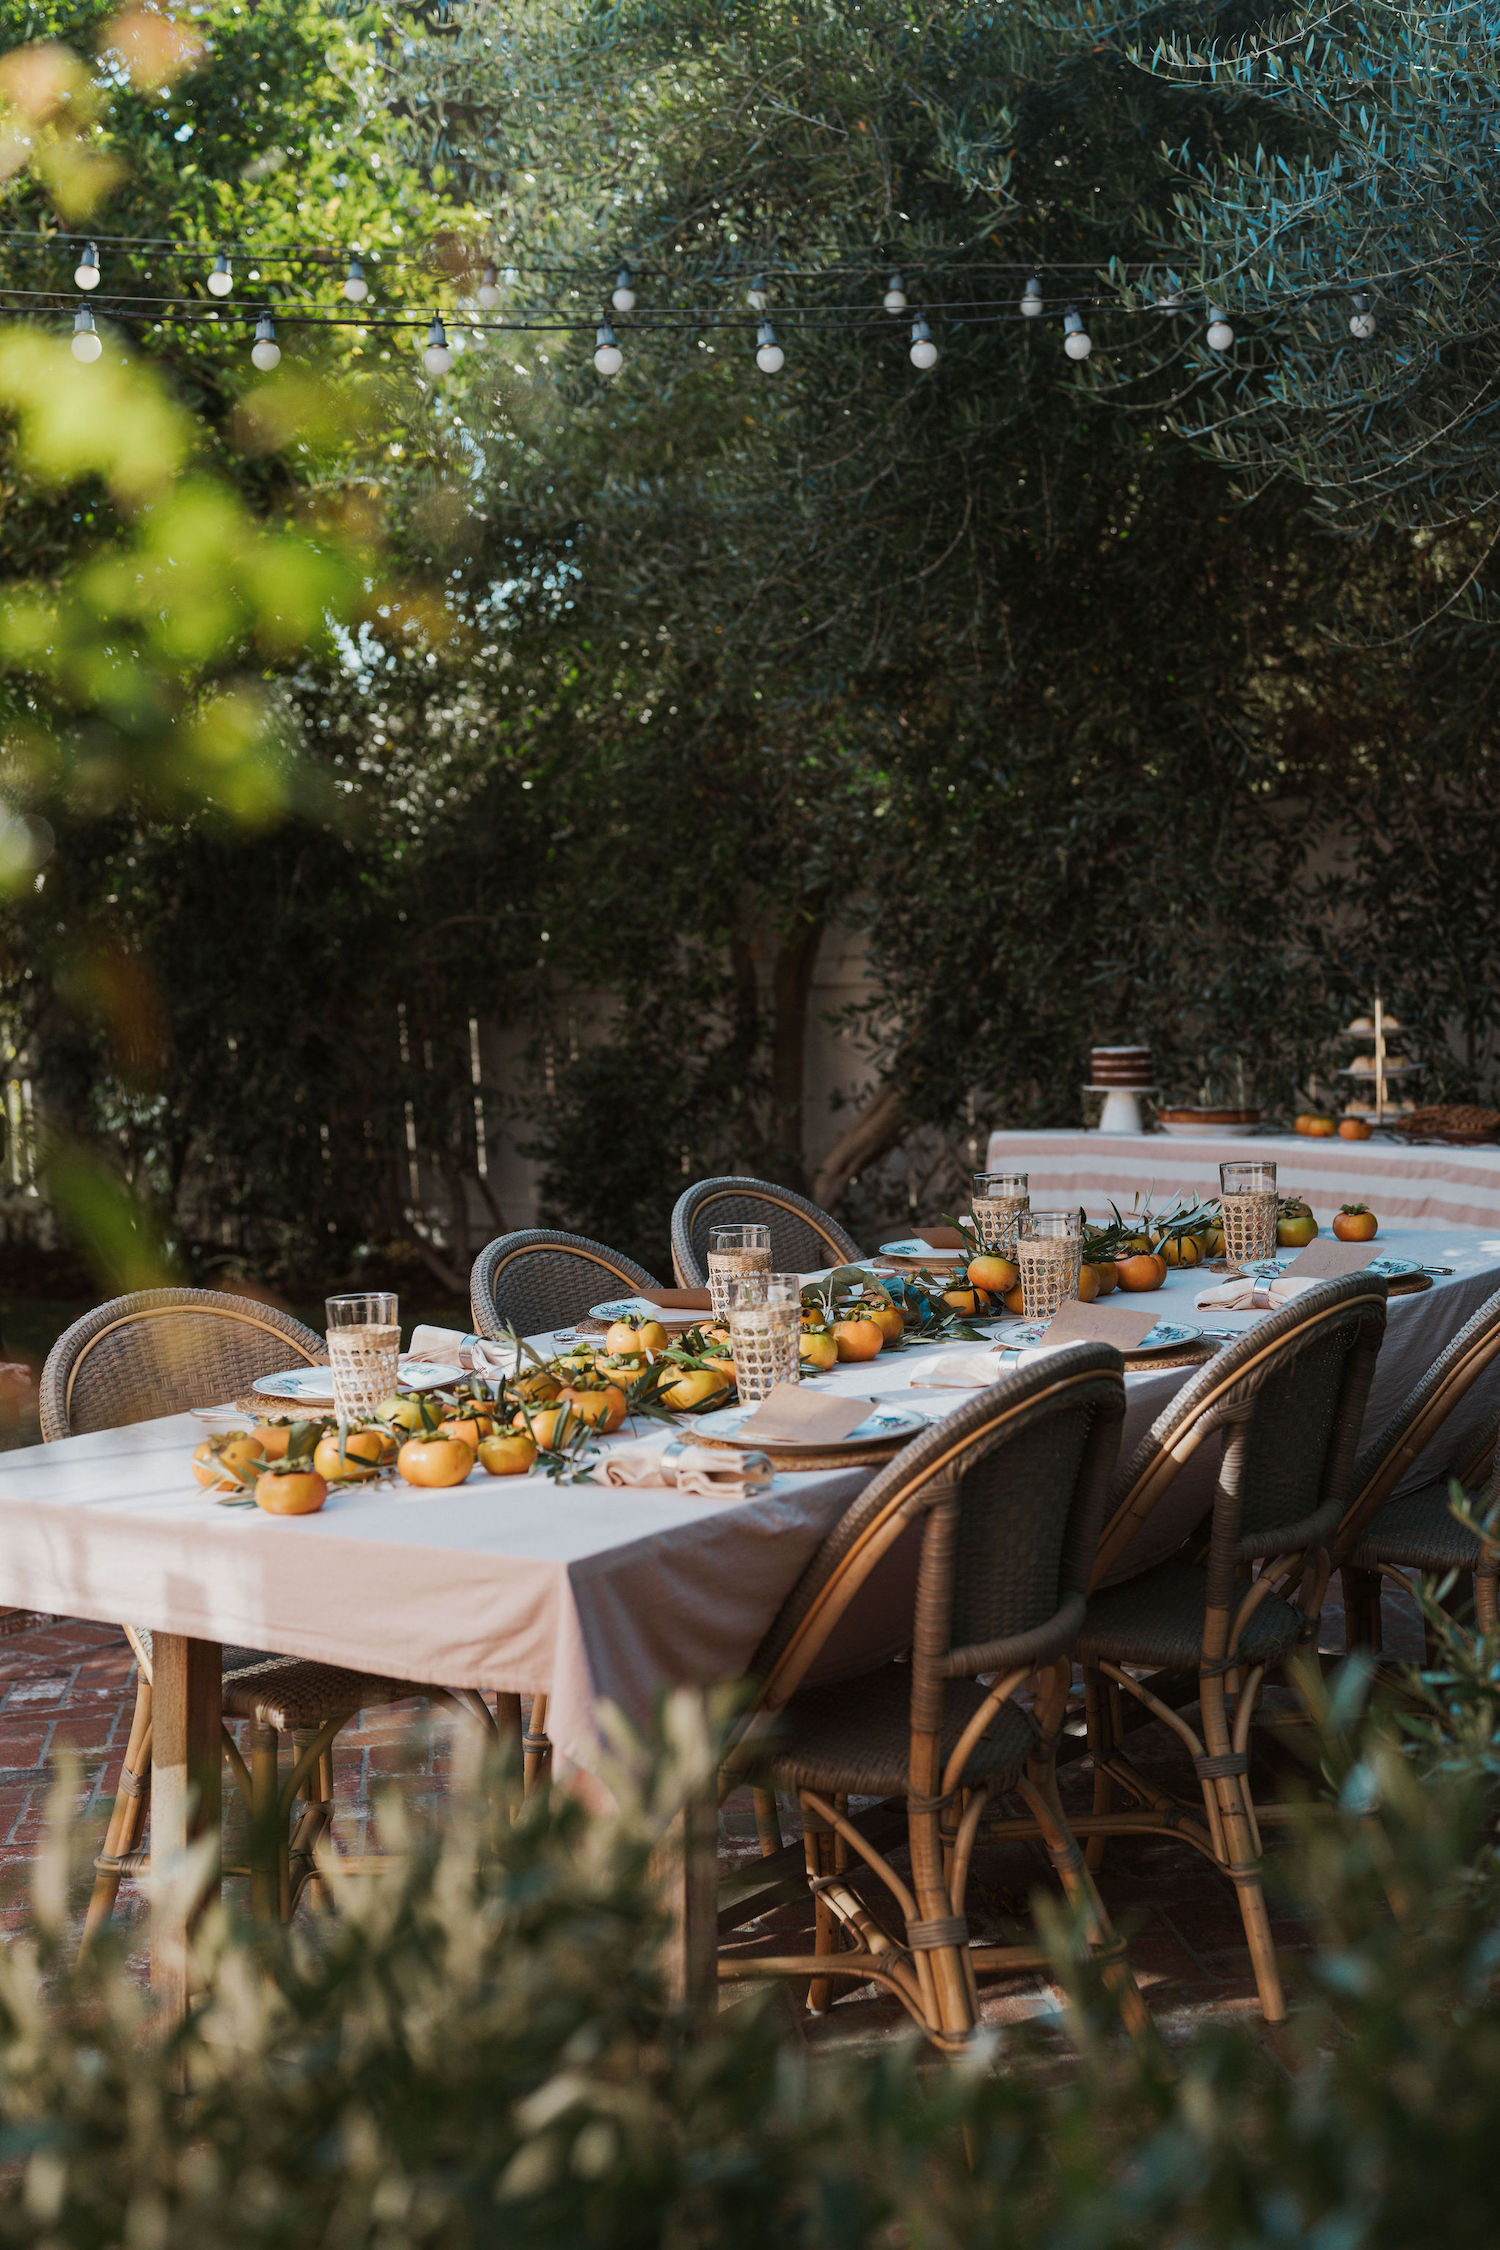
(1286, 1399)
(803, 1238)
(1006, 1497)
(160, 1352)
(1389, 1534)
(539, 1279)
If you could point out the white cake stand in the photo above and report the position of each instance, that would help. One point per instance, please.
(1122, 1108)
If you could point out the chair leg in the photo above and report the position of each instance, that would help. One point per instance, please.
(127, 1818)
(536, 1750)
(1101, 1712)
(817, 1845)
(267, 1843)
(767, 1822)
(1070, 1867)
(1362, 1621)
(1485, 1603)
(1226, 1796)
(510, 1726)
(945, 1972)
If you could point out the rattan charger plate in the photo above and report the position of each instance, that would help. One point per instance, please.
(809, 1457)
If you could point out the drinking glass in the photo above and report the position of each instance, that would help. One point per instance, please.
(364, 1350)
(765, 1331)
(998, 1200)
(1049, 1252)
(734, 1250)
(1247, 1204)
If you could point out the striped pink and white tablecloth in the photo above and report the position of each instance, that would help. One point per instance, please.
(1430, 1186)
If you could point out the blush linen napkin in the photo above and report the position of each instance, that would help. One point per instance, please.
(1248, 1293)
(702, 1472)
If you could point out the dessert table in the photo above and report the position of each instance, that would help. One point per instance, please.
(589, 1591)
(1425, 1184)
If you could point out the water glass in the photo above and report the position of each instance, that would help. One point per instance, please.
(1248, 1206)
(732, 1251)
(998, 1201)
(1049, 1252)
(364, 1352)
(765, 1331)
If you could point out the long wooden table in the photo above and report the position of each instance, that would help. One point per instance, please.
(587, 1591)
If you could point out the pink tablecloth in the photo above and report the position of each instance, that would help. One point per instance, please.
(1421, 1186)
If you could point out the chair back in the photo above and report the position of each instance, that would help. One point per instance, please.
(803, 1238)
(1416, 1423)
(161, 1351)
(1008, 1493)
(540, 1279)
(1287, 1398)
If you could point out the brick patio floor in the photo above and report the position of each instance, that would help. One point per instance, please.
(68, 1686)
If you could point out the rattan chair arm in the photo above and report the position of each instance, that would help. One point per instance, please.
(1039, 1646)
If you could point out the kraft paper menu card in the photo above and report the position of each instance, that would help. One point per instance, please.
(1323, 1261)
(943, 1238)
(1124, 1326)
(789, 1414)
(677, 1300)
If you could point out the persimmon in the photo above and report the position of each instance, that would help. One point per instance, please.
(436, 1460)
(363, 1454)
(1108, 1274)
(218, 1459)
(963, 1301)
(1014, 1299)
(507, 1454)
(272, 1438)
(1180, 1249)
(889, 1321)
(1356, 1222)
(694, 1386)
(994, 1275)
(1295, 1226)
(602, 1406)
(471, 1428)
(1354, 1128)
(1088, 1285)
(859, 1338)
(819, 1348)
(290, 1492)
(1142, 1270)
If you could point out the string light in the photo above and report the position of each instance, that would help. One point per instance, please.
(86, 341)
(1362, 320)
(86, 272)
(608, 357)
(769, 356)
(221, 280)
(623, 299)
(437, 359)
(923, 350)
(1220, 335)
(1077, 342)
(1031, 300)
(757, 297)
(488, 292)
(356, 288)
(895, 294)
(1170, 300)
(265, 351)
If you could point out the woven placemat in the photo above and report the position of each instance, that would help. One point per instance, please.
(826, 1457)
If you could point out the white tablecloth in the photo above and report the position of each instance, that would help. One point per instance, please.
(585, 1590)
(1421, 1186)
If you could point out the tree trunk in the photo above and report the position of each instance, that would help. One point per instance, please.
(791, 976)
(876, 1126)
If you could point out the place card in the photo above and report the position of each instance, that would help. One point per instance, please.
(1124, 1326)
(943, 1238)
(788, 1413)
(677, 1300)
(1324, 1260)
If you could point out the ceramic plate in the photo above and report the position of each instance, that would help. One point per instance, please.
(919, 1252)
(879, 1428)
(313, 1386)
(641, 1308)
(1389, 1269)
(1166, 1336)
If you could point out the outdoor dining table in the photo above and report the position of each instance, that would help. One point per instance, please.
(587, 1591)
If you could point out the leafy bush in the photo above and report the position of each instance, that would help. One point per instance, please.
(477, 2049)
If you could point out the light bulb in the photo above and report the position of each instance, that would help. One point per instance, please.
(1031, 298)
(86, 341)
(86, 272)
(895, 294)
(356, 288)
(1362, 320)
(1170, 301)
(769, 356)
(923, 349)
(265, 351)
(608, 357)
(623, 299)
(437, 359)
(221, 280)
(1077, 342)
(1220, 335)
(488, 292)
(757, 297)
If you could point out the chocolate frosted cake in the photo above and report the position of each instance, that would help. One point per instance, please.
(1121, 1066)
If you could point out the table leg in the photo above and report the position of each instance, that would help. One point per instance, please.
(186, 1764)
(685, 1871)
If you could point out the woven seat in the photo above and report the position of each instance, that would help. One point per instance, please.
(162, 1351)
(1384, 1531)
(1284, 1401)
(856, 1736)
(1159, 1620)
(1003, 1498)
(803, 1238)
(539, 1280)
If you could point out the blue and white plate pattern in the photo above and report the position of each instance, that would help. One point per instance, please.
(879, 1428)
(313, 1386)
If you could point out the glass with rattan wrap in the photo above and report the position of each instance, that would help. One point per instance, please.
(1247, 1207)
(765, 1331)
(998, 1201)
(732, 1253)
(364, 1351)
(1049, 1252)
